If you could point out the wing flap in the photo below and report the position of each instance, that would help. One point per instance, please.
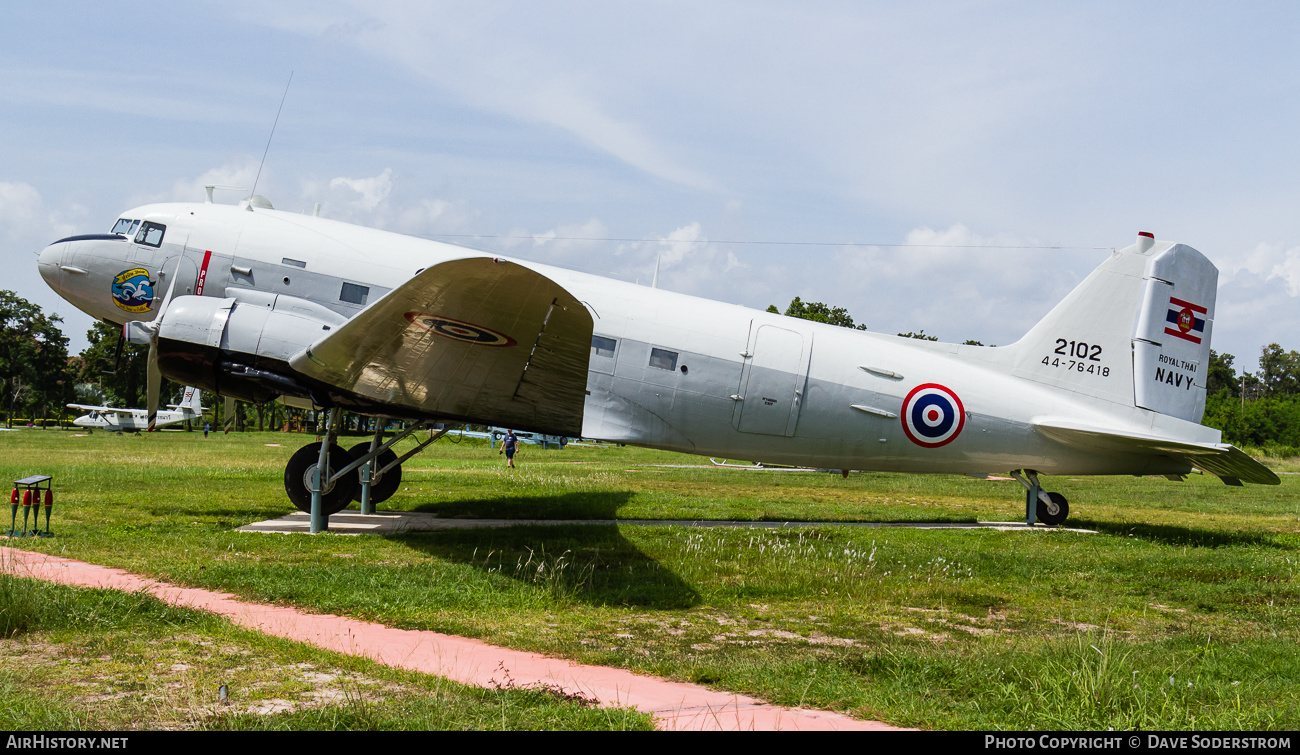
(1226, 461)
(474, 339)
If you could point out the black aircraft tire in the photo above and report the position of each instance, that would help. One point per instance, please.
(1062, 506)
(297, 479)
(383, 488)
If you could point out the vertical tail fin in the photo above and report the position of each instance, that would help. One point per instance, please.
(1136, 331)
(191, 404)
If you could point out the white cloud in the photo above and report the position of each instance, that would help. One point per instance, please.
(383, 201)
(370, 191)
(1268, 261)
(233, 182)
(953, 283)
(497, 59)
(364, 201)
(433, 216)
(28, 222)
(688, 262)
(20, 206)
(566, 240)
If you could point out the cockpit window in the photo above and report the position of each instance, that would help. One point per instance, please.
(151, 234)
(125, 226)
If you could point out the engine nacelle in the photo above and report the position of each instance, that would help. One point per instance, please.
(240, 345)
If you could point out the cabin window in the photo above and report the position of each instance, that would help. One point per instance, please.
(151, 234)
(354, 294)
(125, 226)
(603, 347)
(663, 359)
(292, 262)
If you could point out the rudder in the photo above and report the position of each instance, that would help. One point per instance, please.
(1171, 341)
(1135, 332)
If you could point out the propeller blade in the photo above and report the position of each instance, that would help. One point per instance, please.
(171, 288)
(155, 383)
(155, 375)
(229, 413)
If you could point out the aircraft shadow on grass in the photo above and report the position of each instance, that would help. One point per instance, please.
(591, 563)
(1170, 534)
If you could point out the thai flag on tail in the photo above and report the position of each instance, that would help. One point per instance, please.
(1186, 320)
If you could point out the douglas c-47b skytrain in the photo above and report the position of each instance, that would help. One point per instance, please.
(256, 304)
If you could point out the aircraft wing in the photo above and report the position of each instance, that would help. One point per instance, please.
(1226, 461)
(474, 339)
(100, 409)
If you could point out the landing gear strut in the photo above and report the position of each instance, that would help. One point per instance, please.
(1048, 508)
(383, 484)
(369, 473)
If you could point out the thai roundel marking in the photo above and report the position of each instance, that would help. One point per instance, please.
(933, 416)
(459, 331)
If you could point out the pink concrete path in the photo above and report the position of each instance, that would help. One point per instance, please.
(675, 706)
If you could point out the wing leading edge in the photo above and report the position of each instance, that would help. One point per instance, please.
(1228, 462)
(100, 409)
(474, 339)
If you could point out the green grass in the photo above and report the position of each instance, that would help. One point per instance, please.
(1193, 582)
(106, 660)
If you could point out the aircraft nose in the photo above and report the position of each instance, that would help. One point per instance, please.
(51, 257)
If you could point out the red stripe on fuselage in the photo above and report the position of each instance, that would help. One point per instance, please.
(203, 273)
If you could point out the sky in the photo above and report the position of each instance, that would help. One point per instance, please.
(952, 167)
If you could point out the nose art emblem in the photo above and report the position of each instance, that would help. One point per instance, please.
(132, 290)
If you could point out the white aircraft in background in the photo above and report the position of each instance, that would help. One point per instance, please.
(135, 420)
(262, 305)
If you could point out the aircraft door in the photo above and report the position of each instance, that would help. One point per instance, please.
(773, 381)
(185, 269)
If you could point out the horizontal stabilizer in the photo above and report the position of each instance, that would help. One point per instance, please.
(1226, 461)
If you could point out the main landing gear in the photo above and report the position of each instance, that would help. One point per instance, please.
(1041, 505)
(300, 479)
(369, 473)
(385, 477)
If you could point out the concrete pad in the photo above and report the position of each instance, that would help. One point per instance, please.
(395, 522)
(674, 705)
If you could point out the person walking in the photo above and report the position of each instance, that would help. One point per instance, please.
(508, 446)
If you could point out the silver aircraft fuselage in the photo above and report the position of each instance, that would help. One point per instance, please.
(666, 370)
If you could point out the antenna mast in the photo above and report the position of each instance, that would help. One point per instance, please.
(269, 138)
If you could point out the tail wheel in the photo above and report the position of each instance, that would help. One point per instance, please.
(298, 479)
(385, 485)
(1055, 512)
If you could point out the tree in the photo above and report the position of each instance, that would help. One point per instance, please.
(920, 335)
(33, 357)
(819, 312)
(1221, 378)
(123, 383)
(1260, 409)
(1279, 371)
